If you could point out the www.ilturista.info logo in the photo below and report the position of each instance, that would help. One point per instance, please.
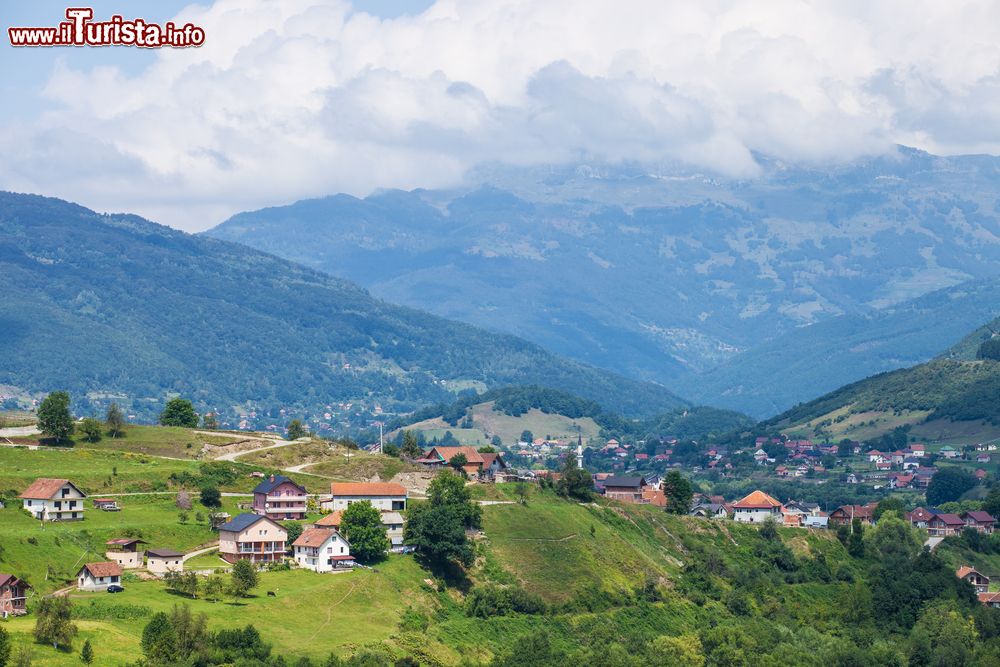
(80, 30)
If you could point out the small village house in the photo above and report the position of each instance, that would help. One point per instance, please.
(919, 517)
(979, 520)
(482, 464)
(944, 524)
(384, 496)
(846, 514)
(13, 596)
(98, 576)
(710, 510)
(161, 561)
(322, 550)
(54, 500)
(126, 551)
(252, 537)
(625, 489)
(978, 580)
(280, 498)
(393, 522)
(757, 507)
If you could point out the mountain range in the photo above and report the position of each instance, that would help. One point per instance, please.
(749, 294)
(114, 307)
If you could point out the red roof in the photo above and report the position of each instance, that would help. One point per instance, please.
(367, 489)
(107, 569)
(757, 500)
(44, 488)
(314, 537)
(331, 520)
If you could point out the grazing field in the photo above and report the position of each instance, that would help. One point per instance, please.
(361, 466)
(310, 614)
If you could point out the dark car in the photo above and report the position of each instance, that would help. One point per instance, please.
(115, 588)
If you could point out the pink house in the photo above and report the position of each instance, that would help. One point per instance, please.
(258, 539)
(278, 497)
(13, 593)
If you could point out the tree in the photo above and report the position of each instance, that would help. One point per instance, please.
(243, 578)
(411, 447)
(894, 539)
(86, 653)
(992, 502)
(527, 436)
(53, 624)
(294, 530)
(296, 430)
(183, 500)
(159, 641)
(487, 449)
(213, 588)
(678, 492)
(890, 504)
(115, 421)
(210, 421)
(949, 484)
(210, 497)
(458, 462)
(989, 349)
(681, 651)
(4, 647)
(179, 412)
(496, 443)
(362, 525)
(449, 489)
(23, 658)
(856, 542)
(54, 419)
(91, 429)
(574, 482)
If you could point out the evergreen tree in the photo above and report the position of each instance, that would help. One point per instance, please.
(179, 412)
(5, 647)
(856, 542)
(678, 492)
(159, 641)
(54, 418)
(410, 447)
(86, 653)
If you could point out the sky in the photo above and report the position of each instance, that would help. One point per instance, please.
(290, 99)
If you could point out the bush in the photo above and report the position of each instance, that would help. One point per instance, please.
(492, 600)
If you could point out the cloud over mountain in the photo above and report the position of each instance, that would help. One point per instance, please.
(297, 98)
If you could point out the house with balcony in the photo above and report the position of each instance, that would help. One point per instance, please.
(977, 579)
(125, 551)
(943, 524)
(322, 550)
(280, 498)
(98, 576)
(13, 596)
(252, 537)
(384, 496)
(54, 500)
(979, 520)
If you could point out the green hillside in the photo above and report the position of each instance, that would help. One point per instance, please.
(941, 399)
(142, 311)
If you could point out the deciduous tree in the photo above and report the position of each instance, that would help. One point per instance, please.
(296, 430)
(115, 421)
(54, 418)
(243, 578)
(179, 412)
(362, 525)
(91, 429)
(54, 624)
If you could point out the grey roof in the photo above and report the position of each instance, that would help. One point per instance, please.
(241, 522)
(391, 518)
(163, 553)
(623, 481)
(268, 484)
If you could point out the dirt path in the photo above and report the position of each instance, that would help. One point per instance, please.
(232, 456)
(18, 431)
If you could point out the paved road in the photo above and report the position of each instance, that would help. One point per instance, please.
(198, 552)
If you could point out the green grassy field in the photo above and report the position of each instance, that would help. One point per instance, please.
(361, 466)
(311, 614)
(168, 441)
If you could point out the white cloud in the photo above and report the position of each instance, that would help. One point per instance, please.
(295, 98)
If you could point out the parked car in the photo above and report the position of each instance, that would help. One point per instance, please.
(115, 588)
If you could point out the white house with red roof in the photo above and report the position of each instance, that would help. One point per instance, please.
(54, 500)
(757, 508)
(322, 550)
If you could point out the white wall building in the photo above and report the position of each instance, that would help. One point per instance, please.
(54, 500)
(322, 550)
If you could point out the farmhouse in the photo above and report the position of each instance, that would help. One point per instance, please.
(487, 465)
(54, 500)
(384, 496)
(279, 497)
(252, 537)
(98, 576)
(919, 517)
(756, 508)
(161, 561)
(322, 550)
(978, 580)
(125, 551)
(13, 596)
